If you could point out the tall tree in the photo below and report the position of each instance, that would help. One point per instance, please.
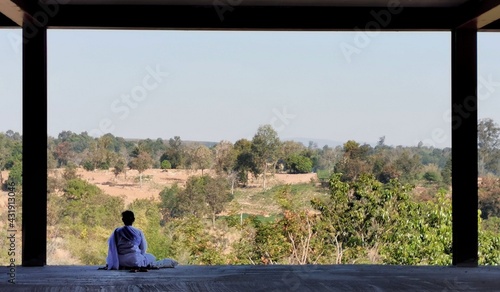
(488, 142)
(265, 146)
(245, 161)
(174, 152)
(225, 157)
(216, 195)
(141, 160)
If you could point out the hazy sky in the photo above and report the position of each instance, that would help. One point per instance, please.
(214, 86)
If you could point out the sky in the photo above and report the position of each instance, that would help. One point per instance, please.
(329, 87)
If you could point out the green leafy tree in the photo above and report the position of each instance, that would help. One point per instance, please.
(422, 235)
(70, 172)
(297, 163)
(408, 165)
(286, 150)
(216, 195)
(169, 202)
(353, 163)
(193, 243)
(175, 152)
(369, 222)
(203, 195)
(446, 172)
(245, 161)
(16, 174)
(489, 241)
(192, 200)
(165, 164)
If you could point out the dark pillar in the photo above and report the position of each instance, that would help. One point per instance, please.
(34, 204)
(464, 147)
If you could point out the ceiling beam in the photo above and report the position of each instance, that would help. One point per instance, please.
(6, 22)
(479, 14)
(12, 11)
(252, 17)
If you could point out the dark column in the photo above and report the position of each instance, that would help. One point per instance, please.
(464, 147)
(34, 205)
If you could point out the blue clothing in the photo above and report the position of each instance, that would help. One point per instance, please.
(127, 248)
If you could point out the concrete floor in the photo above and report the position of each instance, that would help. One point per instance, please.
(255, 278)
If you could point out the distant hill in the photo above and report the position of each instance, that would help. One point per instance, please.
(206, 143)
(305, 141)
(319, 142)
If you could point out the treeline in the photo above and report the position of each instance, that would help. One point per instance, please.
(264, 153)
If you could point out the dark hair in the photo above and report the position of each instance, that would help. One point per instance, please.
(128, 217)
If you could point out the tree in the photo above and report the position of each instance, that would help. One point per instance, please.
(408, 165)
(63, 153)
(489, 196)
(328, 157)
(216, 195)
(201, 158)
(446, 172)
(225, 157)
(297, 163)
(354, 162)
(174, 153)
(300, 228)
(16, 174)
(192, 200)
(367, 221)
(119, 167)
(245, 160)
(169, 205)
(488, 141)
(141, 160)
(265, 145)
(165, 164)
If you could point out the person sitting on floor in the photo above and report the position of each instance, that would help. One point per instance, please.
(127, 248)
